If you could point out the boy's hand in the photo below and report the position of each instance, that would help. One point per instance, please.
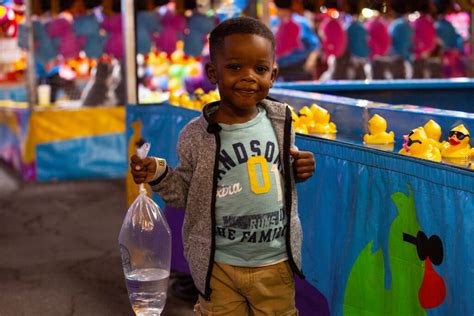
(143, 170)
(303, 163)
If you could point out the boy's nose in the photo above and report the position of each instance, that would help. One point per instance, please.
(248, 77)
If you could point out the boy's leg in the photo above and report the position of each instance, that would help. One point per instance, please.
(272, 291)
(225, 297)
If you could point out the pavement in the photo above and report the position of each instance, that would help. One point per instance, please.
(58, 249)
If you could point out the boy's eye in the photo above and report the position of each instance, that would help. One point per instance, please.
(233, 67)
(261, 69)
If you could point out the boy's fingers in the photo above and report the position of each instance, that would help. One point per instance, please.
(304, 164)
(136, 163)
(295, 153)
(305, 159)
(305, 169)
(135, 159)
(138, 180)
(147, 162)
(305, 155)
(304, 176)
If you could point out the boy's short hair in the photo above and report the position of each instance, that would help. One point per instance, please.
(239, 25)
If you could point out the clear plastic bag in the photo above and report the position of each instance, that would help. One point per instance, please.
(145, 247)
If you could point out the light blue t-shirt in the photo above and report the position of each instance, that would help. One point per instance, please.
(250, 217)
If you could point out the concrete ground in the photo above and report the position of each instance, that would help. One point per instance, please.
(59, 252)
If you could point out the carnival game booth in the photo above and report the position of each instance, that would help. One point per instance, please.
(69, 124)
(65, 120)
(384, 233)
(448, 94)
(63, 144)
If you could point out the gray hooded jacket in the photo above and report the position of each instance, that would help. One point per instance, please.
(193, 184)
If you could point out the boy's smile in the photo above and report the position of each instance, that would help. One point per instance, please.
(244, 72)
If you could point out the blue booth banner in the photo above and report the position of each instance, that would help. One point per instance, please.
(384, 234)
(52, 143)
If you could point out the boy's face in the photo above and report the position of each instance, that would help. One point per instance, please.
(244, 71)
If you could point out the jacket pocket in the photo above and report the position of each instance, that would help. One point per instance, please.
(197, 253)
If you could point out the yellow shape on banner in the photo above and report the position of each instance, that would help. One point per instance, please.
(52, 125)
(8, 118)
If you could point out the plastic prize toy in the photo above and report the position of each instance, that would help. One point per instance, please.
(297, 125)
(418, 145)
(378, 132)
(433, 131)
(321, 121)
(458, 146)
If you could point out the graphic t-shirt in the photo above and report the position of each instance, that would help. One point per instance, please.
(250, 220)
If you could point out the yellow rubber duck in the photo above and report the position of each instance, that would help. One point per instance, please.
(194, 68)
(377, 132)
(418, 145)
(305, 118)
(173, 98)
(178, 57)
(458, 143)
(298, 124)
(295, 122)
(185, 101)
(305, 115)
(433, 131)
(321, 118)
(214, 95)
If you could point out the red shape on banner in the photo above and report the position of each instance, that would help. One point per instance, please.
(433, 290)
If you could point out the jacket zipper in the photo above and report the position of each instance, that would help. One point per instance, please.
(288, 188)
(207, 290)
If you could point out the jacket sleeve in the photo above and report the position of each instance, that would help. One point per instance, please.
(173, 185)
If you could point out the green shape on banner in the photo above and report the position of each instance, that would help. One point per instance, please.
(365, 291)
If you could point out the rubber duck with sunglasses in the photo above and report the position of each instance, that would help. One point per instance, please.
(457, 146)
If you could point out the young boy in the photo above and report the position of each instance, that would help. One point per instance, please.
(236, 181)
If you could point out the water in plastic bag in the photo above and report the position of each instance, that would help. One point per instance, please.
(145, 246)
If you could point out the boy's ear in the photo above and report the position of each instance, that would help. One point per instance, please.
(274, 73)
(211, 72)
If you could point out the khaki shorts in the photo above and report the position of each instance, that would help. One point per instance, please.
(243, 291)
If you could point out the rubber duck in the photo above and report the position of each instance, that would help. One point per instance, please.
(418, 145)
(185, 101)
(178, 57)
(173, 98)
(433, 131)
(305, 115)
(298, 124)
(305, 118)
(214, 95)
(377, 132)
(321, 118)
(458, 143)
